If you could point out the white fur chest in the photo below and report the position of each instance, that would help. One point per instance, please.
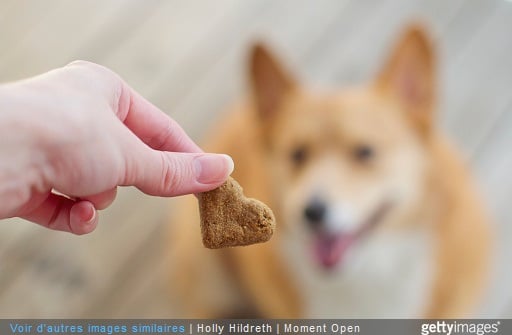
(385, 275)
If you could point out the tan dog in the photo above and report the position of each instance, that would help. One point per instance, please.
(376, 213)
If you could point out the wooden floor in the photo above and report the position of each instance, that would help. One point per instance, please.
(188, 58)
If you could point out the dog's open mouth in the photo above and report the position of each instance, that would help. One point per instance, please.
(330, 249)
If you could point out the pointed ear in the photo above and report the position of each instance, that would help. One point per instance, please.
(270, 82)
(409, 75)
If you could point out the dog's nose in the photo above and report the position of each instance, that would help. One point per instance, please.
(315, 212)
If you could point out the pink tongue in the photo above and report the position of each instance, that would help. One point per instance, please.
(330, 249)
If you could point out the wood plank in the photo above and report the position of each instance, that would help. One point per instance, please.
(80, 30)
(130, 281)
(468, 20)
(477, 79)
(362, 54)
(50, 283)
(62, 273)
(8, 10)
(14, 255)
(119, 25)
(189, 108)
(493, 164)
(168, 92)
(35, 46)
(18, 23)
(171, 38)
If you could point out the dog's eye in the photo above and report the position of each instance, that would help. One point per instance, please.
(363, 153)
(299, 155)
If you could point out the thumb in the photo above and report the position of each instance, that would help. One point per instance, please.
(172, 173)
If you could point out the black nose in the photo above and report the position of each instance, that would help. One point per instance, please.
(315, 212)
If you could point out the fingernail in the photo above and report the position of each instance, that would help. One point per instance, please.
(83, 218)
(213, 168)
(88, 214)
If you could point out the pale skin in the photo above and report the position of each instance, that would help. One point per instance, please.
(71, 136)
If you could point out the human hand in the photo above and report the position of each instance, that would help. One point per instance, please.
(82, 131)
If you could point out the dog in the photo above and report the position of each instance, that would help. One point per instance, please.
(377, 214)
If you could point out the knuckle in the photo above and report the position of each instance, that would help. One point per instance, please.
(90, 68)
(79, 62)
(159, 141)
(105, 79)
(87, 64)
(119, 99)
(172, 180)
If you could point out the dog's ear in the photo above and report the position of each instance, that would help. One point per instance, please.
(269, 81)
(409, 75)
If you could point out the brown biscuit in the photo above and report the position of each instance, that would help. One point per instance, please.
(229, 219)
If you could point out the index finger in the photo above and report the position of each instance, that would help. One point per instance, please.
(151, 125)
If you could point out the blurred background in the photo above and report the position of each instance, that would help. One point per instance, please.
(188, 58)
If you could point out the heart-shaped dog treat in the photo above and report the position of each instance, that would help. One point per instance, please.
(229, 219)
